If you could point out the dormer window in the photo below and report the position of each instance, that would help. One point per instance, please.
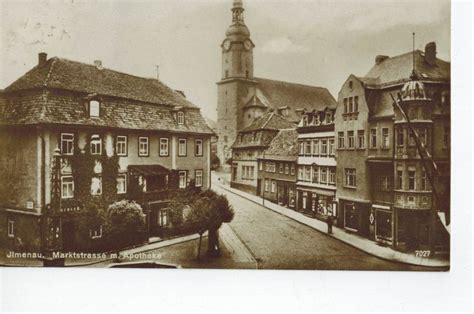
(94, 108)
(180, 117)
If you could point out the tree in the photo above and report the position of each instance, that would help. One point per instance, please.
(208, 210)
(125, 223)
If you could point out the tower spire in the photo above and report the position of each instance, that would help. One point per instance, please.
(238, 11)
(413, 75)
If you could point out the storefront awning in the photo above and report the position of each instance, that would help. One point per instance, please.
(147, 170)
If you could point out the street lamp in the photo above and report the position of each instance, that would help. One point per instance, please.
(52, 241)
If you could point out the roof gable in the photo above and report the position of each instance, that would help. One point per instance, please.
(283, 146)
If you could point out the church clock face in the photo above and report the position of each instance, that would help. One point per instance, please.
(226, 45)
(248, 44)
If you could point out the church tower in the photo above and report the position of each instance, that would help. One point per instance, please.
(236, 86)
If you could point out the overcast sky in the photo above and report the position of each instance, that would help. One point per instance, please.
(315, 42)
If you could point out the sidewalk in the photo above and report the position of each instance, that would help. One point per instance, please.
(354, 240)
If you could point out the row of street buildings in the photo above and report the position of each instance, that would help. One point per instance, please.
(376, 159)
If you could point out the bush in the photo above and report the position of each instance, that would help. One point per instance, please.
(125, 224)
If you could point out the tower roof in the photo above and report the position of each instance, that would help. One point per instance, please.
(238, 27)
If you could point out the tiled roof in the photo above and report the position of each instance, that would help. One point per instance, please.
(81, 77)
(296, 96)
(284, 146)
(269, 121)
(65, 104)
(398, 69)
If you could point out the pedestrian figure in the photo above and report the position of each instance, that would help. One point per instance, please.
(329, 222)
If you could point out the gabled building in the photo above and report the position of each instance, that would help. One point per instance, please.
(242, 97)
(250, 145)
(383, 189)
(277, 169)
(316, 185)
(160, 139)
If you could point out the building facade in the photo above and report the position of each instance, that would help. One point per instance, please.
(383, 189)
(316, 185)
(242, 97)
(250, 145)
(276, 180)
(158, 138)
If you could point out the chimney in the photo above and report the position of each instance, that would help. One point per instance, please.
(98, 64)
(379, 59)
(157, 72)
(430, 53)
(42, 58)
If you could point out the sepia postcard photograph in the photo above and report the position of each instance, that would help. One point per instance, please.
(230, 134)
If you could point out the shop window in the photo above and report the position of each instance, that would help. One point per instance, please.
(273, 186)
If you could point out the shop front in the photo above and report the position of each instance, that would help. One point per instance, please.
(355, 216)
(412, 229)
(318, 203)
(383, 220)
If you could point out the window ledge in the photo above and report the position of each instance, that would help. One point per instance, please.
(350, 187)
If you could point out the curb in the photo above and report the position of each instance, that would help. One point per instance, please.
(442, 266)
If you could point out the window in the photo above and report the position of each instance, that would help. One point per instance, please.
(316, 147)
(356, 104)
(266, 185)
(198, 177)
(301, 148)
(260, 165)
(301, 173)
(182, 179)
(280, 167)
(385, 138)
(198, 147)
(182, 147)
(351, 108)
(411, 179)
(96, 144)
(361, 139)
(94, 108)
(273, 186)
(400, 179)
(328, 117)
(163, 219)
(121, 145)
(350, 138)
(67, 187)
(96, 186)
(423, 136)
(270, 167)
(315, 174)
(11, 228)
(121, 184)
(96, 233)
(324, 175)
(385, 183)
(400, 137)
(345, 105)
(331, 147)
(350, 175)
(324, 147)
(180, 117)
(225, 138)
(164, 147)
(287, 168)
(332, 176)
(307, 173)
(307, 150)
(373, 138)
(67, 143)
(292, 170)
(143, 146)
(340, 140)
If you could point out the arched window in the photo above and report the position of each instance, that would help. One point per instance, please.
(180, 117)
(94, 108)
